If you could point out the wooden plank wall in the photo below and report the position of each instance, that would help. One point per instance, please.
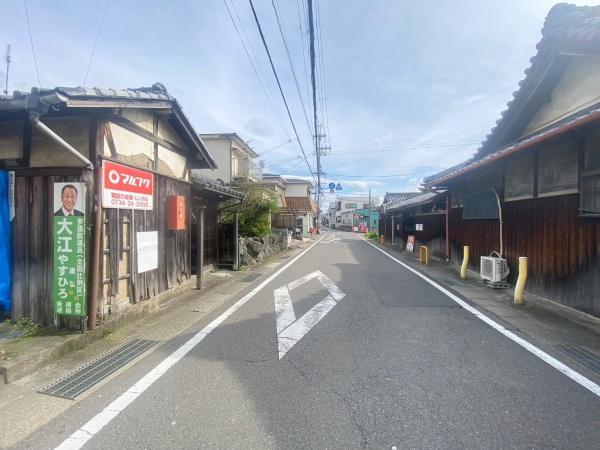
(433, 233)
(563, 250)
(32, 244)
(173, 245)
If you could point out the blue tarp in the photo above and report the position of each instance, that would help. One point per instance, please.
(5, 246)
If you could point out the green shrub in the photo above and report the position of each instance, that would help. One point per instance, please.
(255, 213)
(372, 235)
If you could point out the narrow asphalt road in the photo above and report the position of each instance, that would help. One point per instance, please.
(373, 357)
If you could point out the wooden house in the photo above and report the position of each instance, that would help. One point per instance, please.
(129, 155)
(533, 187)
(389, 226)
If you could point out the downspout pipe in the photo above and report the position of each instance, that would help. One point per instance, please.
(500, 221)
(35, 120)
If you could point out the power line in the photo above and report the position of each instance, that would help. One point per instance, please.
(260, 81)
(95, 43)
(394, 149)
(304, 50)
(276, 147)
(385, 176)
(264, 78)
(287, 50)
(262, 36)
(32, 47)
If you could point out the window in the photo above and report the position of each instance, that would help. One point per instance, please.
(518, 178)
(557, 169)
(351, 205)
(481, 205)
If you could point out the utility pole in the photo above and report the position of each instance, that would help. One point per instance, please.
(7, 60)
(311, 29)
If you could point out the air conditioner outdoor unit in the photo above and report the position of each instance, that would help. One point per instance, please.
(493, 269)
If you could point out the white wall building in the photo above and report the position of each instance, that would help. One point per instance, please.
(345, 206)
(236, 161)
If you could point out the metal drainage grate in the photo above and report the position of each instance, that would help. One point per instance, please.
(449, 282)
(583, 355)
(250, 278)
(90, 374)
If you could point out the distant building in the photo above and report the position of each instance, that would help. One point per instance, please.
(344, 210)
(235, 159)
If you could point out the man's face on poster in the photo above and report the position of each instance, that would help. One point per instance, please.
(69, 199)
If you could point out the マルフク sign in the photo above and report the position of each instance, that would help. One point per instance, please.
(127, 188)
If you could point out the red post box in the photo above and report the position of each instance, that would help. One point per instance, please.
(176, 212)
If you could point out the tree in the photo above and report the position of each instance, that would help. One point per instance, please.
(255, 213)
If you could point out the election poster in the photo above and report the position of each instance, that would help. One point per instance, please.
(69, 249)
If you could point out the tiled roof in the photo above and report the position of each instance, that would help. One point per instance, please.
(300, 204)
(214, 185)
(155, 92)
(395, 197)
(576, 24)
(411, 201)
(155, 96)
(566, 27)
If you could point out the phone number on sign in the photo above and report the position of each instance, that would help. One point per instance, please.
(128, 200)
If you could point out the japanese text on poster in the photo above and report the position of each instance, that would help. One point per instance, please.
(69, 249)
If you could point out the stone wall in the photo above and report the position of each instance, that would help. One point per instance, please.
(255, 250)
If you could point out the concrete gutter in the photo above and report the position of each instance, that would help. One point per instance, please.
(29, 362)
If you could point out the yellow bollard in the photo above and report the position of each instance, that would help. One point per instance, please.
(423, 250)
(382, 239)
(520, 287)
(465, 263)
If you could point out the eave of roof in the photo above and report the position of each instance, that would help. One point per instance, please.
(580, 119)
(417, 200)
(215, 186)
(154, 97)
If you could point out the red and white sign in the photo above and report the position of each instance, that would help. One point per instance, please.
(126, 187)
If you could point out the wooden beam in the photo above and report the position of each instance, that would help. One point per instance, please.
(135, 128)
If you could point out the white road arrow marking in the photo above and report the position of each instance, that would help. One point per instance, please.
(290, 330)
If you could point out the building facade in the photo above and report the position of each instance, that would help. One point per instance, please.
(102, 197)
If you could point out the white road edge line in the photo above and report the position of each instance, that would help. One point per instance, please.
(100, 420)
(575, 376)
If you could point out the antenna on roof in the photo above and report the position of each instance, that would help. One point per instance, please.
(7, 61)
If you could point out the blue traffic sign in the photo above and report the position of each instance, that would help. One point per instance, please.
(338, 187)
(331, 185)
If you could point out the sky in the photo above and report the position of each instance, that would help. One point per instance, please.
(406, 88)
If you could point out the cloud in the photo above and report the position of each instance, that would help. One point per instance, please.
(258, 127)
(425, 73)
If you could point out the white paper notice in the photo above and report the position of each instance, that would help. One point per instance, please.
(147, 250)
